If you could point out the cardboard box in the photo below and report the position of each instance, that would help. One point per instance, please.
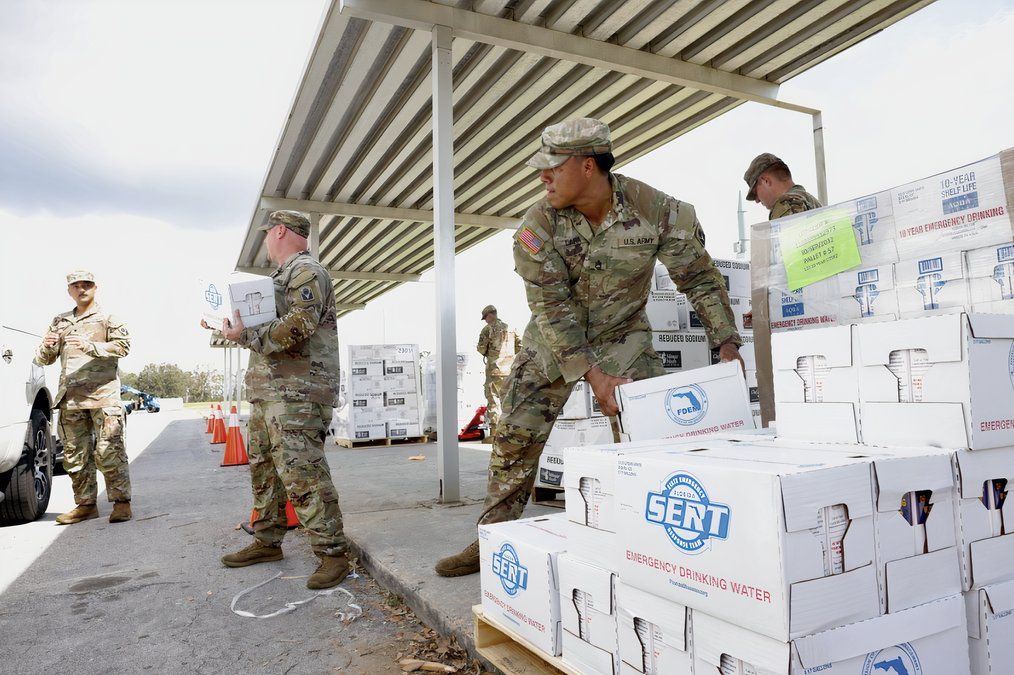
(990, 612)
(945, 381)
(403, 399)
(740, 308)
(667, 310)
(401, 382)
(751, 387)
(404, 428)
(778, 540)
(931, 285)
(519, 577)
(588, 616)
(985, 540)
(681, 350)
(551, 465)
(366, 401)
(392, 352)
(867, 294)
(815, 306)
(688, 404)
(873, 225)
(366, 368)
(367, 431)
(366, 384)
(929, 640)
(816, 384)
(252, 295)
(653, 634)
(579, 433)
(578, 405)
(991, 278)
(737, 276)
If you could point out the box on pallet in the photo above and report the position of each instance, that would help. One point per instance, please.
(588, 615)
(653, 634)
(520, 578)
(370, 401)
(778, 540)
(985, 543)
(373, 368)
(569, 434)
(693, 403)
(867, 294)
(252, 295)
(929, 640)
(551, 463)
(682, 350)
(934, 284)
(991, 279)
(945, 380)
(667, 310)
(394, 352)
(990, 612)
(811, 307)
(400, 428)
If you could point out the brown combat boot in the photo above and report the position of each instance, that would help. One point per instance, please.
(121, 512)
(256, 552)
(466, 562)
(332, 571)
(79, 513)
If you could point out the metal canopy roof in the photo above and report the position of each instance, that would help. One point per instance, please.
(356, 147)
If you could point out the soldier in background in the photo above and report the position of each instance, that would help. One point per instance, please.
(771, 184)
(292, 385)
(498, 345)
(89, 344)
(586, 253)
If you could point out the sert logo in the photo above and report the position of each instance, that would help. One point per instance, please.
(213, 297)
(512, 574)
(686, 405)
(898, 660)
(690, 519)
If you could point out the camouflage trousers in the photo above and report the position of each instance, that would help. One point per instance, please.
(493, 389)
(93, 437)
(531, 404)
(287, 463)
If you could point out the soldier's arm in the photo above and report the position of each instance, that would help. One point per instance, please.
(46, 355)
(682, 251)
(483, 345)
(306, 305)
(547, 286)
(117, 344)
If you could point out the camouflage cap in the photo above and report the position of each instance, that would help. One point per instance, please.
(488, 309)
(759, 165)
(293, 220)
(80, 275)
(581, 137)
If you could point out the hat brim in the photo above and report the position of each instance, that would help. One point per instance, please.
(751, 196)
(544, 160)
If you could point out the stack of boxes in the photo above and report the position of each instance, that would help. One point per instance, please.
(382, 394)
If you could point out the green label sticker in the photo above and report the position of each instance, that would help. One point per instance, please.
(818, 245)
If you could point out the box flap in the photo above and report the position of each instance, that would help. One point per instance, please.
(975, 468)
(1000, 596)
(990, 560)
(831, 601)
(823, 422)
(922, 578)
(939, 335)
(873, 635)
(671, 616)
(833, 343)
(713, 637)
(803, 495)
(896, 476)
(940, 425)
(991, 325)
(592, 579)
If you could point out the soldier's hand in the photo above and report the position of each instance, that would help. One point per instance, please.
(604, 388)
(51, 339)
(730, 352)
(204, 325)
(75, 342)
(232, 329)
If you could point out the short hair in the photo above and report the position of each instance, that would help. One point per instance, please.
(604, 161)
(780, 172)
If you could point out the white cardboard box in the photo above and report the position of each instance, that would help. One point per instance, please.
(737, 276)
(990, 613)
(933, 284)
(653, 634)
(945, 381)
(867, 294)
(404, 399)
(252, 295)
(404, 428)
(403, 382)
(551, 465)
(687, 404)
(991, 278)
(779, 540)
(577, 433)
(588, 615)
(667, 310)
(928, 640)
(873, 225)
(373, 368)
(985, 541)
(740, 307)
(368, 431)
(520, 579)
(682, 350)
(578, 405)
(366, 384)
(816, 384)
(392, 352)
(811, 307)
(368, 401)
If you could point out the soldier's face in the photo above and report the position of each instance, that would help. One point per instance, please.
(766, 193)
(82, 292)
(271, 242)
(490, 318)
(565, 183)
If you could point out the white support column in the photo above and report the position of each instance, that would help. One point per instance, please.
(818, 151)
(443, 242)
(315, 235)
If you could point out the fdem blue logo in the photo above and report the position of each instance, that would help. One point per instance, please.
(213, 297)
(898, 660)
(512, 574)
(690, 519)
(686, 405)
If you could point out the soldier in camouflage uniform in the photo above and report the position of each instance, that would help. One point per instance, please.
(771, 184)
(292, 385)
(89, 344)
(498, 345)
(586, 254)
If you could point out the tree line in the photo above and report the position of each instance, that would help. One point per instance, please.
(167, 380)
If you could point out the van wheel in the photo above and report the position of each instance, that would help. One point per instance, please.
(28, 486)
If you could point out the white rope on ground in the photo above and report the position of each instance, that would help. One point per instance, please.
(348, 617)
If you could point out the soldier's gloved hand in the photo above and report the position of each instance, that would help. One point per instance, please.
(730, 352)
(604, 387)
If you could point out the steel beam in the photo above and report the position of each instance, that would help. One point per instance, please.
(385, 212)
(349, 307)
(314, 238)
(818, 155)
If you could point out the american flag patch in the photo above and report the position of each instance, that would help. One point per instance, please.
(530, 240)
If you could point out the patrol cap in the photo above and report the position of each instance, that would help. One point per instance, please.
(581, 137)
(293, 220)
(488, 309)
(759, 165)
(80, 275)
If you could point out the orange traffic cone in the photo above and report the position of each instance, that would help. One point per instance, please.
(235, 448)
(211, 420)
(291, 519)
(219, 434)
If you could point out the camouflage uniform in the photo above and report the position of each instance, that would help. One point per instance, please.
(292, 385)
(587, 288)
(91, 415)
(795, 200)
(498, 345)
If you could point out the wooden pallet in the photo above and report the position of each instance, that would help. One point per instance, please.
(511, 653)
(548, 497)
(379, 442)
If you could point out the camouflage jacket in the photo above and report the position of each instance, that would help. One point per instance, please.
(588, 288)
(295, 357)
(498, 344)
(88, 377)
(795, 200)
